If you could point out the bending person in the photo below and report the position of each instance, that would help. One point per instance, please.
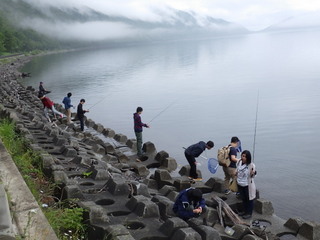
(189, 204)
(48, 104)
(194, 151)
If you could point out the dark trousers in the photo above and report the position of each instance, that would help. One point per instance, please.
(81, 119)
(247, 204)
(193, 166)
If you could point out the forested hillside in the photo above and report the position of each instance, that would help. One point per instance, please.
(27, 25)
(14, 39)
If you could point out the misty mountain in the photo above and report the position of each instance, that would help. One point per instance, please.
(304, 21)
(86, 24)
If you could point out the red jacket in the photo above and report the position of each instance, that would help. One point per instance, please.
(47, 102)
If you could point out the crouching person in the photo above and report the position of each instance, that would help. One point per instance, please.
(189, 204)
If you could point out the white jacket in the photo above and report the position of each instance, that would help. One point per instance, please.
(251, 184)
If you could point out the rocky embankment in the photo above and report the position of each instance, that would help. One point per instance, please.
(126, 197)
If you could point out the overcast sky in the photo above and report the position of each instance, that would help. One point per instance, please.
(252, 14)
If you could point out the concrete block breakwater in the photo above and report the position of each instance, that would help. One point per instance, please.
(127, 197)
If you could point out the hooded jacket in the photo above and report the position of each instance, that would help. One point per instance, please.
(137, 123)
(183, 205)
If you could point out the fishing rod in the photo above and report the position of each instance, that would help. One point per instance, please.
(98, 102)
(255, 128)
(161, 112)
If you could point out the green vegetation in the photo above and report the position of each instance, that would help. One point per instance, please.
(14, 39)
(64, 216)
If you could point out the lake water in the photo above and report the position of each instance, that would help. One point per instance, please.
(209, 90)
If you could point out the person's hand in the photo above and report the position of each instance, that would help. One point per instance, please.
(147, 126)
(197, 210)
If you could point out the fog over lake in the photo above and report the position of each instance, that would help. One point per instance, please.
(208, 90)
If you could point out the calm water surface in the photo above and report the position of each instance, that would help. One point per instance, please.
(207, 90)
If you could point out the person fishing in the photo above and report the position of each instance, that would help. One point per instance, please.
(194, 151)
(48, 104)
(189, 204)
(67, 106)
(42, 90)
(138, 125)
(246, 171)
(80, 113)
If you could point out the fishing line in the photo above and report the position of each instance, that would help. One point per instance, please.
(162, 111)
(98, 102)
(255, 128)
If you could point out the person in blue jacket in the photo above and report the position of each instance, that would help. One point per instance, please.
(189, 204)
(194, 151)
(67, 106)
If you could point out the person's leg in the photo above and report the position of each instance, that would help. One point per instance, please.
(193, 166)
(45, 110)
(81, 123)
(139, 143)
(56, 112)
(242, 195)
(246, 203)
(227, 178)
(68, 113)
(232, 174)
(250, 207)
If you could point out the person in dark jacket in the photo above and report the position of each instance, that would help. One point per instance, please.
(189, 204)
(67, 106)
(80, 113)
(138, 129)
(42, 90)
(194, 151)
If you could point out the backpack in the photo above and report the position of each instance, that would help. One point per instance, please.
(223, 156)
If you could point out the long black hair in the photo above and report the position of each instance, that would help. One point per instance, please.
(248, 156)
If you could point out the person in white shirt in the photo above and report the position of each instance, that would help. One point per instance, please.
(246, 171)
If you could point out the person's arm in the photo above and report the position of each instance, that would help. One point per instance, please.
(183, 212)
(201, 206)
(196, 150)
(138, 121)
(68, 103)
(233, 154)
(143, 124)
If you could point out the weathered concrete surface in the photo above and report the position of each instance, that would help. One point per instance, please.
(6, 226)
(26, 212)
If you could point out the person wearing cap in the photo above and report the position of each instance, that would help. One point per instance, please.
(67, 106)
(194, 151)
(80, 113)
(189, 204)
(48, 104)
